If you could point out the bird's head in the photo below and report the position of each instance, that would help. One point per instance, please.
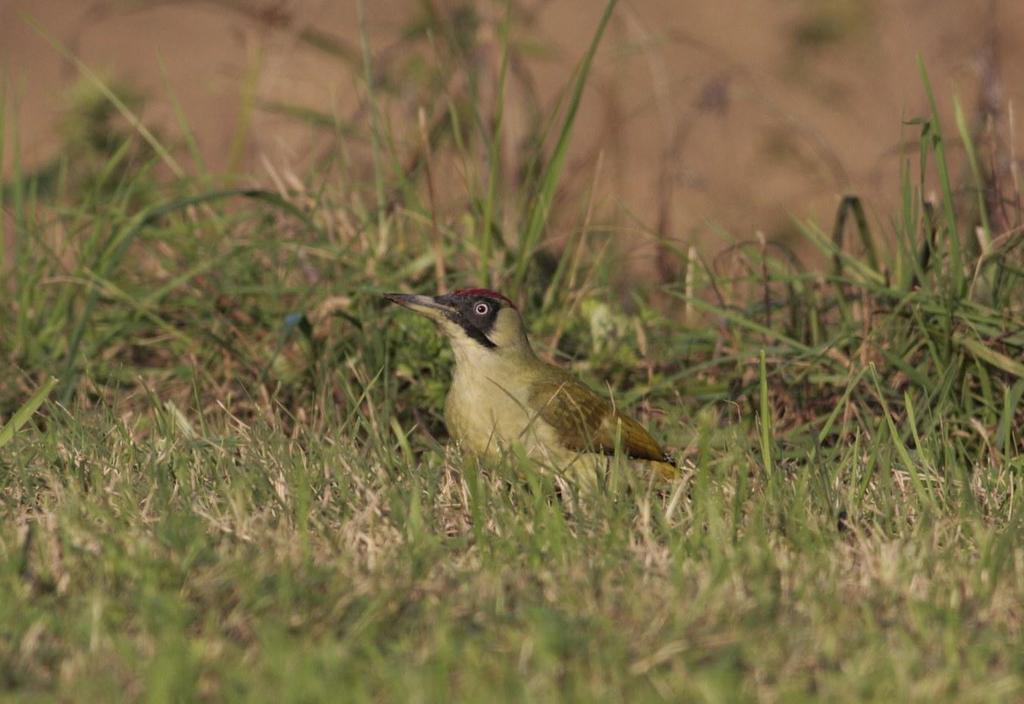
(477, 321)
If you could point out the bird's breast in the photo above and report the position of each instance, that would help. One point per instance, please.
(485, 416)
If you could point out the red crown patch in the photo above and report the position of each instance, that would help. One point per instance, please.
(485, 292)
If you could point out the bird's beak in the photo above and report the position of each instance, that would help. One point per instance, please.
(424, 305)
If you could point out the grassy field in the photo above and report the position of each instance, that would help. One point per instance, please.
(224, 471)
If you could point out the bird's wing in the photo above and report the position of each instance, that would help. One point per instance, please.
(585, 422)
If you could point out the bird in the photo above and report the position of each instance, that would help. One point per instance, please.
(502, 394)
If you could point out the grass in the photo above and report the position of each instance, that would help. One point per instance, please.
(223, 473)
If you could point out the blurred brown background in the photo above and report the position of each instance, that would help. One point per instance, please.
(706, 117)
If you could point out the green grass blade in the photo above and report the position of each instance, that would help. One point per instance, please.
(26, 411)
(913, 469)
(126, 112)
(972, 162)
(938, 145)
(765, 421)
(494, 156)
(985, 353)
(541, 207)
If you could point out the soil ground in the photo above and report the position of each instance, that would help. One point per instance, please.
(711, 117)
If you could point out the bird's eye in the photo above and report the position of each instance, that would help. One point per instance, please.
(482, 309)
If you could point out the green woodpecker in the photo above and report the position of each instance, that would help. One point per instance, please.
(502, 393)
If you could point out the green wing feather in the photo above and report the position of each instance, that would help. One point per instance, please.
(585, 422)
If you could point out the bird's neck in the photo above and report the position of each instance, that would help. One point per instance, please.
(475, 363)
